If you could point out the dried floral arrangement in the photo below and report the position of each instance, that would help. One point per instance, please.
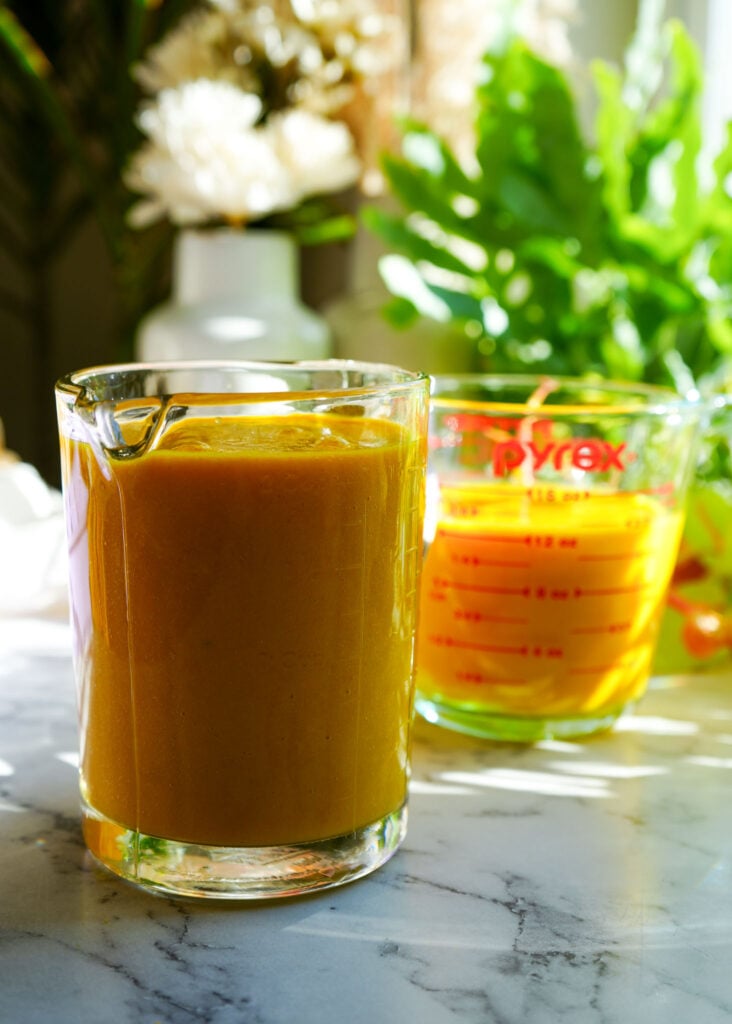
(250, 108)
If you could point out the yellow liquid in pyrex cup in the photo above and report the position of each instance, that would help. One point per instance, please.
(540, 604)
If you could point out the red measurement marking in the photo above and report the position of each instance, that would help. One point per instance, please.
(611, 590)
(478, 677)
(450, 641)
(552, 595)
(615, 627)
(493, 538)
(468, 616)
(543, 541)
(540, 540)
(463, 511)
(477, 588)
(476, 562)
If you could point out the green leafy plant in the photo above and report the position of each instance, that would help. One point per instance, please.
(609, 252)
(563, 253)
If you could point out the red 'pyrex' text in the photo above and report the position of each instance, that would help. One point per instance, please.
(591, 456)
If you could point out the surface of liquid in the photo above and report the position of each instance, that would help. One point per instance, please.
(244, 606)
(542, 602)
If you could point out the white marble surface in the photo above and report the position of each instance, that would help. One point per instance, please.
(583, 883)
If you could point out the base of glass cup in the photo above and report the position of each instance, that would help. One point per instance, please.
(241, 873)
(491, 725)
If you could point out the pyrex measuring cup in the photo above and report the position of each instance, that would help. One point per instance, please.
(554, 514)
(244, 543)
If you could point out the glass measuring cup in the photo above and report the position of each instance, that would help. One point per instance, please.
(554, 514)
(244, 546)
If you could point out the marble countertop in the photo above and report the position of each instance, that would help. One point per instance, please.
(584, 883)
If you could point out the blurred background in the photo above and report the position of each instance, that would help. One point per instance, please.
(75, 278)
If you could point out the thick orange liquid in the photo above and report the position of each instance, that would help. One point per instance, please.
(542, 602)
(244, 603)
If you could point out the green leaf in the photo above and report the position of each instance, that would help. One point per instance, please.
(332, 229)
(418, 190)
(399, 235)
(622, 348)
(461, 305)
(425, 150)
(644, 56)
(404, 280)
(400, 313)
(720, 331)
(531, 205)
(671, 291)
(707, 526)
(668, 149)
(553, 253)
(688, 139)
(613, 126)
(432, 300)
(679, 372)
(529, 147)
(22, 46)
(722, 167)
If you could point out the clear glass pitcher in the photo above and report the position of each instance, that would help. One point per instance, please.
(244, 544)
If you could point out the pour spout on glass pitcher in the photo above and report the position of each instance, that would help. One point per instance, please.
(114, 428)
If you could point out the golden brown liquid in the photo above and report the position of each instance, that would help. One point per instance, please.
(244, 603)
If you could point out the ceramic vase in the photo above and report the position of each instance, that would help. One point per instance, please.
(235, 296)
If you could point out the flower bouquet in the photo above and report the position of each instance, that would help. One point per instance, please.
(253, 112)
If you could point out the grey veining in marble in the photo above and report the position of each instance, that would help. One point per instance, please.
(584, 883)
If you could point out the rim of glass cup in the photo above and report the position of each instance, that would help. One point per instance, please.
(76, 385)
(640, 398)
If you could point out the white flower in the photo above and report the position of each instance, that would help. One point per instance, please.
(207, 158)
(318, 153)
(313, 45)
(194, 49)
(360, 32)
